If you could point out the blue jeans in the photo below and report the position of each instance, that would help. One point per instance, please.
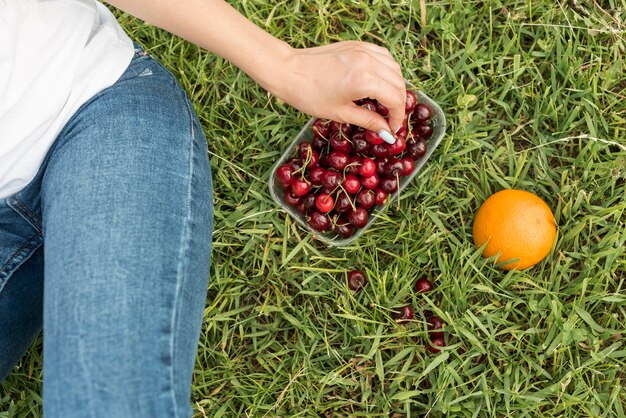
(108, 250)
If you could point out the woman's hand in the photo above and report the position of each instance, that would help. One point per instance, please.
(321, 81)
(324, 81)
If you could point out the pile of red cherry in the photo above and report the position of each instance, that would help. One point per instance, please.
(357, 281)
(338, 178)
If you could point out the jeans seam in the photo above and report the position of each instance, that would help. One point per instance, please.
(17, 254)
(184, 251)
(34, 220)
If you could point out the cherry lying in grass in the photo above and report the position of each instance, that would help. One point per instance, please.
(404, 314)
(356, 280)
(423, 285)
(349, 172)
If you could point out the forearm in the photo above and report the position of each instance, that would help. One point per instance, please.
(216, 26)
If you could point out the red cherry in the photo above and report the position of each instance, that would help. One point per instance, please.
(389, 184)
(353, 165)
(284, 174)
(366, 198)
(343, 204)
(315, 175)
(343, 228)
(381, 164)
(370, 182)
(319, 144)
(324, 203)
(356, 280)
(351, 184)
(394, 167)
(367, 167)
(416, 148)
(397, 147)
(381, 196)
(339, 142)
(338, 160)
(300, 187)
(381, 109)
(359, 143)
(435, 325)
(423, 131)
(434, 344)
(379, 150)
(308, 155)
(321, 128)
(423, 285)
(331, 179)
(409, 165)
(411, 101)
(358, 217)
(422, 112)
(343, 128)
(319, 221)
(292, 199)
(308, 201)
(405, 314)
(373, 138)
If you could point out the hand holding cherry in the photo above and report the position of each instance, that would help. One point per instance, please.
(325, 81)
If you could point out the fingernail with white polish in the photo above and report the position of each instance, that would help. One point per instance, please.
(386, 136)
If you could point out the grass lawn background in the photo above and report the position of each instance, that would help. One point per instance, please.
(534, 93)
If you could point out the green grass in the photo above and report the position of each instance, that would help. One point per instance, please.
(534, 93)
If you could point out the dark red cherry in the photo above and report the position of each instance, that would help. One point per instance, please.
(367, 167)
(373, 138)
(351, 184)
(343, 204)
(366, 198)
(315, 175)
(358, 217)
(397, 147)
(321, 128)
(353, 165)
(319, 144)
(381, 196)
(309, 201)
(409, 165)
(359, 143)
(338, 160)
(343, 228)
(284, 174)
(404, 314)
(292, 199)
(411, 101)
(340, 142)
(331, 179)
(423, 131)
(370, 182)
(381, 109)
(435, 326)
(369, 105)
(300, 187)
(319, 221)
(389, 184)
(423, 285)
(435, 344)
(379, 150)
(356, 280)
(422, 112)
(394, 167)
(416, 148)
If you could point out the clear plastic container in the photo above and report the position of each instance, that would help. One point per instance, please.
(438, 123)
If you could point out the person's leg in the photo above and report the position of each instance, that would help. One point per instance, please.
(127, 217)
(21, 287)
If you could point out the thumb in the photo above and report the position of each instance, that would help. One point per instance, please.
(366, 118)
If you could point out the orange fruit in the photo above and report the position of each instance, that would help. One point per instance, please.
(517, 226)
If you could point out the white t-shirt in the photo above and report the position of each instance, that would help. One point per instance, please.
(54, 56)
